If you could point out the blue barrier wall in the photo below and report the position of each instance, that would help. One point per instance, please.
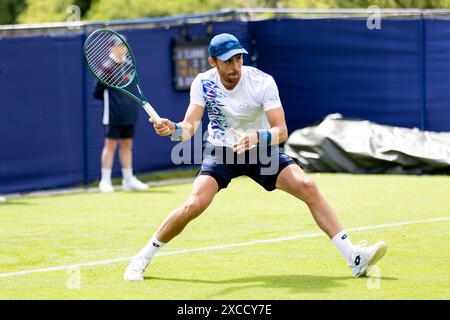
(51, 133)
(437, 75)
(41, 123)
(325, 66)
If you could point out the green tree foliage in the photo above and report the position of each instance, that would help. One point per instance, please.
(396, 4)
(45, 11)
(52, 10)
(305, 4)
(84, 5)
(10, 10)
(123, 9)
(56, 10)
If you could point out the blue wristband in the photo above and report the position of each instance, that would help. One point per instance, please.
(177, 135)
(264, 137)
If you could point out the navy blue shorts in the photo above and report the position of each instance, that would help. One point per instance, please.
(118, 132)
(263, 166)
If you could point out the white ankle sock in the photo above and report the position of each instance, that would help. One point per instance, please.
(127, 174)
(343, 243)
(106, 174)
(151, 248)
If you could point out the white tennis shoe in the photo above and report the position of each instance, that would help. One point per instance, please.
(365, 257)
(136, 268)
(106, 186)
(134, 185)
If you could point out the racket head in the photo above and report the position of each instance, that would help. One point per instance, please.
(109, 58)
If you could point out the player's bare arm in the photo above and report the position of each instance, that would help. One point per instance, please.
(278, 131)
(278, 127)
(165, 127)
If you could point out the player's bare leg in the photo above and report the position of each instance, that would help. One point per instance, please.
(203, 191)
(108, 151)
(293, 180)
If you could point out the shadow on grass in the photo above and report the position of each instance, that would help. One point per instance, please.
(303, 283)
(150, 190)
(14, 203)
(106, 194)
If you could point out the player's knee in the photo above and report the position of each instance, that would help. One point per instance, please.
(308, 184)
(308, 188)
(193, 208)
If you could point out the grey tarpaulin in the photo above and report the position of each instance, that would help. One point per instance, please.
(346, 145)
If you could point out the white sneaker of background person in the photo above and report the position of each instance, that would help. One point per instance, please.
(133, 184)
(130, 182)
(363, 258)
(106, 186)
(105, 181)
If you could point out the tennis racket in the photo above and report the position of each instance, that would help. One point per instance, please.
(111, 61)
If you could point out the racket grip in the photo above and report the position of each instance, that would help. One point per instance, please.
(151, 112)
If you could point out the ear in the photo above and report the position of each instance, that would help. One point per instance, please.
(211, 61)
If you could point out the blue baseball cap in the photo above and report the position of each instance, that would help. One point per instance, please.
(224, 46)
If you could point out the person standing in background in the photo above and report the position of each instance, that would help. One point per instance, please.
(119, 118)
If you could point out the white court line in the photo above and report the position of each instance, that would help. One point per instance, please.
(242, 244)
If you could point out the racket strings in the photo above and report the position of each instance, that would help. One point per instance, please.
(99, 50)
(95, 45)
(110, 62)
(125, 68)
(113, 72)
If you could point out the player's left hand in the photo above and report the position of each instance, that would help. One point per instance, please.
(245, 140)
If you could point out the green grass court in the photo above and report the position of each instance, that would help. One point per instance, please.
(75, 229)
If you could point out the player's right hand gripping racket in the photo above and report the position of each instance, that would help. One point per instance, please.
(110, 59)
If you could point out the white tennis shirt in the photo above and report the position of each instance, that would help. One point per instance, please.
(242, 108)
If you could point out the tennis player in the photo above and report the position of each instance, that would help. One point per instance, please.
(246, 120)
